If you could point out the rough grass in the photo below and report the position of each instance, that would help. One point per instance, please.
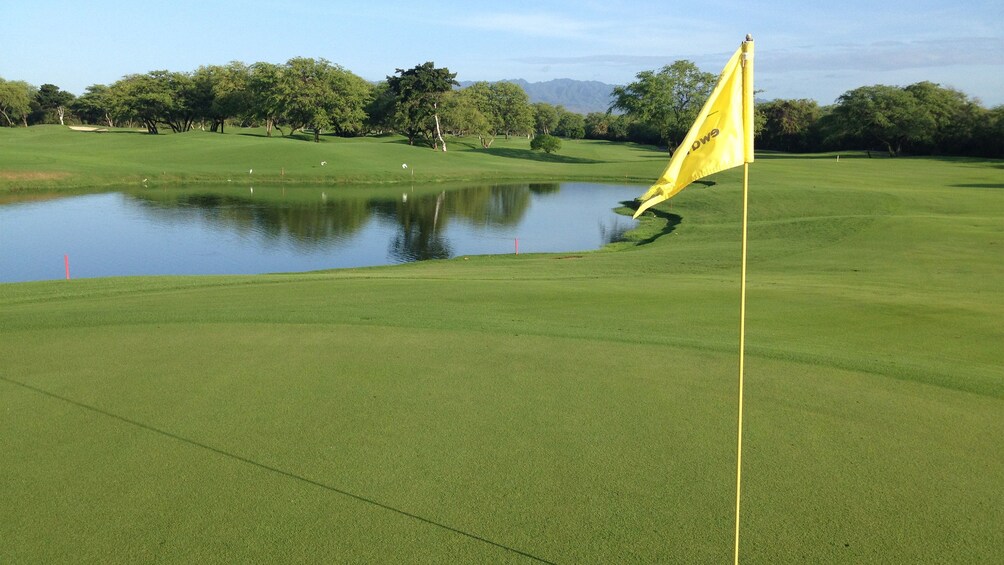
(574, 408)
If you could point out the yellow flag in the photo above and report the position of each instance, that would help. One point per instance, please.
(721, 137)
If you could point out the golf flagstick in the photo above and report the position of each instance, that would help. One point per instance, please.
(721, 138)
(742, 357)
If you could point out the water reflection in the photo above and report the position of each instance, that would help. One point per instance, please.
(233, 230)
(424, 220)
(313, 223)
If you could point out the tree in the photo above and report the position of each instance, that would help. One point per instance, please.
(305, 94)
(510, 109)
(884, 114)
(317, 95)
(224, 91)
(417, 94)
(15, 101)
(954, 115)
(597, 125)
(667, 100)
(145, 98)
(52, 103)
(380, 109)
(787, 124)
(618, 128)
(476, 107)
(352, 95)
(265, 101)
(162, 97)
(570, 124)
(988, 136)
(545, 117)
(191, 99)
(504, 106)
(95, 105)
(461, 116)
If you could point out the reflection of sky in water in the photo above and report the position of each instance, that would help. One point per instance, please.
(578, 217)
(117, 235)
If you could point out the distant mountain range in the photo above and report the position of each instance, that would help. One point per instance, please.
(580, 96)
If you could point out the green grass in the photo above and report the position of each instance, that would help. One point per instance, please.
(56, 158)
(571, 408)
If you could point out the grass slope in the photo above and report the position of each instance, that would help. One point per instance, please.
(52, 157)
(575, 408)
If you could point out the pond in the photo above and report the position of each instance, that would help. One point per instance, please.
(251, 230)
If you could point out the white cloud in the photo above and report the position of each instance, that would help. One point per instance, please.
(538, 25)
(887, 55)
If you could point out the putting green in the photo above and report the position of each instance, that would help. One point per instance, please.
(558, 408)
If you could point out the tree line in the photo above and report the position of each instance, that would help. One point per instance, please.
(423, 103)
(920, 119)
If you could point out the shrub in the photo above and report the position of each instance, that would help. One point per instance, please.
(545, 143)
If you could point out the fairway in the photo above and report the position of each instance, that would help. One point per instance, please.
(566, 408)
(58, 159)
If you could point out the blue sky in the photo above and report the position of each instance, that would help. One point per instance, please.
(802, 50)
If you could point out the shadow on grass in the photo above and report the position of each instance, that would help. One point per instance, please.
(672, 220)
(767, 155)
(977, 161)
(530, 155)
(417, 143)
(879, 155)
(277, 471)
(291, 136)
(980, 185)
(652, 151)
(259, 135)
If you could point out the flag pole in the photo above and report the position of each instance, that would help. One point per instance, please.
(721, 138)
(747, 87)
(742, 355)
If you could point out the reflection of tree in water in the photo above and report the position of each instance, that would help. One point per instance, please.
(319, 223)
(498, 205)
(310, 224)
(545, 188)
(615, 232)
(422, 219)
